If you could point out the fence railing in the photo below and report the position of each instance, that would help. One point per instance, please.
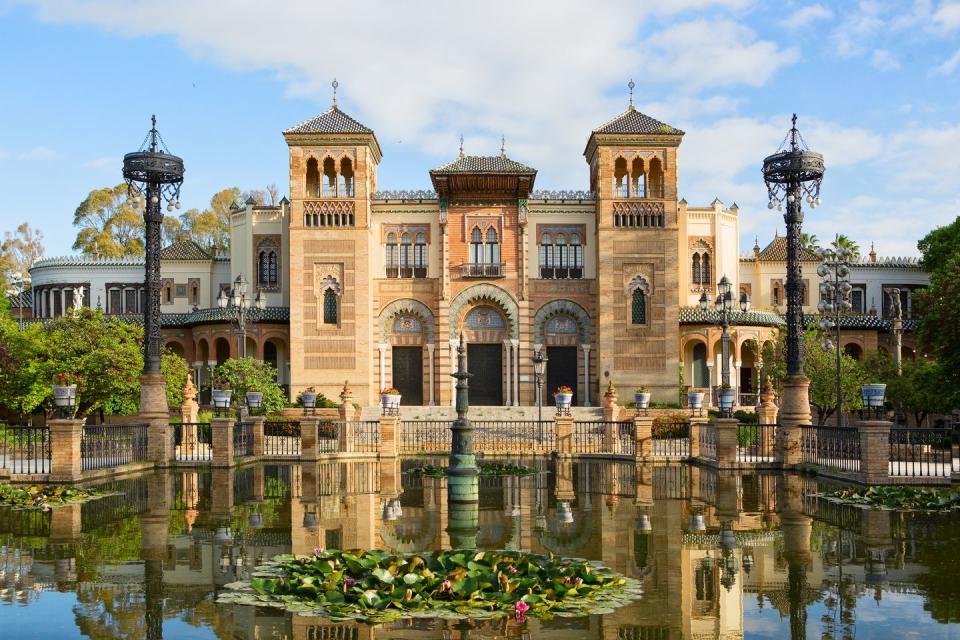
(242, 439)
(366, 436)
(756, 443)
(922, 452)
(192, 441)
(25, 449)
(281, 438)
(425, 436)
(625, 438)
(328, 436)
(671, 439)
(588, 436)
(707, 438)
(832, 447)
(513, 436)
(104, 446)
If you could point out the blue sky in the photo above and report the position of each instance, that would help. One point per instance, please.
(875, 85)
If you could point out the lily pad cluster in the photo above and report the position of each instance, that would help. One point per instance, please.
(486, 469)
(44, 496)
(378, 586)
(898, 498)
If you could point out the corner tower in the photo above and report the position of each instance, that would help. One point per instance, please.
(333, 172)
(633, 174)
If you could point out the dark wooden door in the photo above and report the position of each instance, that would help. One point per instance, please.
(561, 370)
(485, 362)
(408, 374)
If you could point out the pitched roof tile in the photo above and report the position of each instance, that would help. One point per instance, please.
(484, 164)
(332, 121)
(632, 121)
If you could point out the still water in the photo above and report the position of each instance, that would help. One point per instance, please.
(720, 555)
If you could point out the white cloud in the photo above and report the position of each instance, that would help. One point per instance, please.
(948, 66)
(103, 162)
(883, 60)
(857, 29)
(39, 153)
(947, 16)
(805, 16)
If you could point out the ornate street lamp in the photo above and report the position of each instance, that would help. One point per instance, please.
(153, 175)
(835, 292)
(18, 284)
(539, 365)
(792, 174)
(724, 307)
(238, 304)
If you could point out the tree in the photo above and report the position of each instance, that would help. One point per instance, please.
(23, 383)
(843, 242)
(809, 241)
(18, 251)
(110, 224)
(250, 374)
(918, 389)
(175, 370)
(173, 230)
(939, 246)
(939, 329)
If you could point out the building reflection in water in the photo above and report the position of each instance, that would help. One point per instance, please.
(698, 540)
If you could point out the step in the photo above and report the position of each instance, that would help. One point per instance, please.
(483, 413)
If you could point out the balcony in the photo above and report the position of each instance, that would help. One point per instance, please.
(407, 271)
(482, 269)
(654, 191)
(561, 273)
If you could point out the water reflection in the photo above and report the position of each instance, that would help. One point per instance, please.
(720, 555)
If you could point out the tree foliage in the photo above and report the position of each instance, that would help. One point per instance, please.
(175, 369)
(250, 374)
(919, 390)
(23, 385)
(18, 251)
(939, 246)
(109, 224)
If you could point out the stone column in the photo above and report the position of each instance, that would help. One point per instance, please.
(643, 429)
(346, 437)
(222, 429)
(516, 369)
(708, 396)
(309, 426)
(383, 365)
(611, 410)
(509, 353)
(389, 436)
(586, 374)
(346, 401)
(65, 436)
(610, 436)
(430, 348)
(726, 442)
(257, 423)
(875, 451)
(564, 427)
(795, 413)
(453, 368)
(695, 425)
(767, 409)
(155, 412)
(188, 416)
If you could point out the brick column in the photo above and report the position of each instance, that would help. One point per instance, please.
(564, 428)
(222, 436)
(795, 414)
(155, 412)
(65, 438)
(696, 424)
(767, 410)
(256, 423)
(308, 437)
(875, 451)
(726, 442)
(389, 436)
(643, 430)
(611, 410)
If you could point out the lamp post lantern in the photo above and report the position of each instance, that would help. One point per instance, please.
(539, 364)
(794, 174)
(835, 292)
(724, 307)
(18, 284)
(240, 305)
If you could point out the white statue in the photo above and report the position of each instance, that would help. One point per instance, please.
(78, 299)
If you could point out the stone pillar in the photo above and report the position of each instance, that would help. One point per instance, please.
(586, 374)
(257, 423)
(795, 413)
(509, 360)
(346, 401)
(189, 409)
(154, 411)
(383, 364)
(309, 427)
(65, 436)
(515, 352)
(346, 437)
(430, 348)
(708, 396)
(643, 430)
(610, 437)
(389, 436)
(222, 429)
(564, 428)
(696, 424)
(875, 451)
(767, 409)
(726, 442)
(611, 410)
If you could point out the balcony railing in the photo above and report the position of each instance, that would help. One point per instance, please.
(482, 269)
(651, 191)
(395, 271)
(561, 273)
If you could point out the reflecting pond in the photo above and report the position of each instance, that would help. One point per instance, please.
(720, 555)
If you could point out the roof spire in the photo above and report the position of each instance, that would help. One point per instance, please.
(503, 146)
(873, 253)
(631, 85)
(461, 145)
(153, 133)
(334, 84)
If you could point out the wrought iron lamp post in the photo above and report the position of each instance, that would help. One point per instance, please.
(240, 305)
(463, 489)
(157, 174)
(539, 365)
(794, 174)
(835, 291)
(724, 307)
(18, 284)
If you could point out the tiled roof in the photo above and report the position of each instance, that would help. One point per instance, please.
(332, 121)
(200, 316)
(776, 251)
(83, 261)
(695, 315)
(184, 250)
(893, 261)
(864, 321)
(485, 164)
(632, 121)
(22, 301)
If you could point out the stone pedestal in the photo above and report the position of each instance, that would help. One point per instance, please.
(564, 428)
(222, 437)
(256, 426)
(389, 436)
(189, 410)
(154, 412)
(875, 451)
(309, 426)
(346, 402)
(610, 437)
(643, 431)
(346, 436)
(696, 424)
(65, 438)
(611, 410)
(794, 413)
(767, 410)
(726, 442)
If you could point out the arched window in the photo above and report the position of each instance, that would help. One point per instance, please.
(263, 269)
(638, 314)
(576, 257)
(406, 256)
(273, 273)
(560, 256)
(637, 182)
(420, 256)
(546, 256)
(705, 271)
(329, 178)
(391, 257)
(695, 270)
(620, 178)
(476, 246)
(493, 247)
(330, 311)
(194, 294)
(313, 179)
(346, 178)
(655, 179)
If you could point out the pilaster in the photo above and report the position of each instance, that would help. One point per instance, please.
(65, 437)
(222, 435)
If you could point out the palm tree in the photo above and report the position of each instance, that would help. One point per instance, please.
(809, 241)
(844, 242)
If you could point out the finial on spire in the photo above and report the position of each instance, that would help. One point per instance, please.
(461, 145)
(503, 146)
(793, 133)
(334, 84)
(631, 85)
(153, 132)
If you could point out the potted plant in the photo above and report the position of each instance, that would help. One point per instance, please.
(308, 398)
(221, 394)
(563, 396)
(873, 394)
(727, 397)
(641, 396)
(64, 390)
(695, 398)
(254, 399)
(390, 399)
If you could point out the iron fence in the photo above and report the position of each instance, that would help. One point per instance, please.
(921, 452)
(513, 436)
(833, 447)
(756, 443)
(192, 441)
(587, 436)
(425, 436)
(707, 438)
(242, 439)
(671, 439)
(625, 438)
(328, 436)
(110, 445)
(25, 449)
(366, 435)
(281, 438)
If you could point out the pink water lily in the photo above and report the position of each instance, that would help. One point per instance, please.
(319, 550)
(349, 582)
(512, 569)
(522, 607)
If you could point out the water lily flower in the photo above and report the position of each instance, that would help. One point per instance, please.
(522, 607)
(319, 550)
(577, 581)
(349, 582)
(512, 569)
(446, 585)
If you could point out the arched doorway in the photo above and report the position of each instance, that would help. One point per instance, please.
(853, 350)
(561, 344)
(700, 375)
(485, 330)
(407, 358)
(222, 350)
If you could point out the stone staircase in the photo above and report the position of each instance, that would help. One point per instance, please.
(483, 413)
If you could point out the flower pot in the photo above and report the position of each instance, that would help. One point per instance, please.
(254, 399)
(642, 399)
(695, 399)
(873, 395)
(221, 398)
(390, 401)
(727, 398)
(563, 399)
(64, 395)
(309, 399)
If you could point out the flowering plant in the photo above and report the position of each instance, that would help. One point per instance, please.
(390, 391)
(641, 389)
(64, 379)
(221, 385)
(563, 389)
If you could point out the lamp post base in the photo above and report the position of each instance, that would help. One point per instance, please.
(794, 413)
(155, 412)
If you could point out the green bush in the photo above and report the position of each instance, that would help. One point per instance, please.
(250, 374)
